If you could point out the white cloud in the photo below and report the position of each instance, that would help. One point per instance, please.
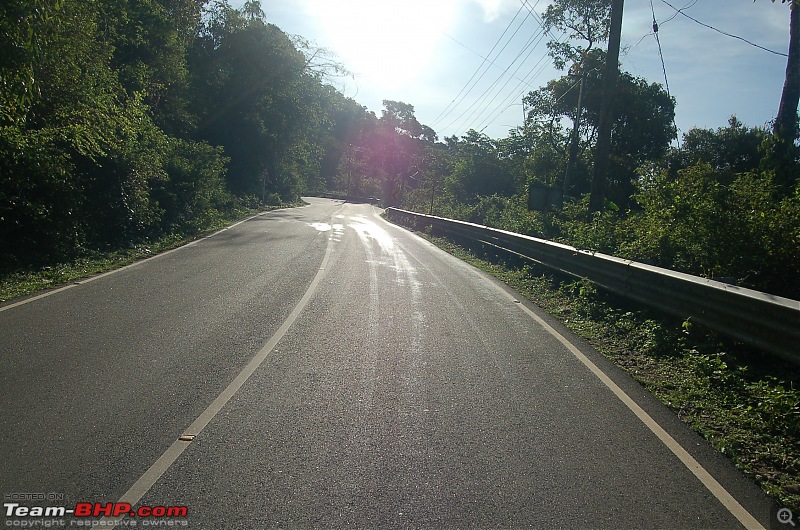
(494, 9)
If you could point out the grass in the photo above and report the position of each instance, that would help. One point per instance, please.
(26, 282)
(745, 403)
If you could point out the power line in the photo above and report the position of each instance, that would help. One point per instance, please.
(489, 112)
(484, 110)
(658, 41)
(533, 12)
(460, 116)
(449, 108)
(530, 44)
(680, 11)
(478, 54)
(515, 93)
(670, 19)
(535, 71)
(663, 65)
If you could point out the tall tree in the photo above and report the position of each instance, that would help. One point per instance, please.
(394, 145)
(782, 154)
(478, 168)
(26, 30)
(252, 90)
(150, 39)
(584, 22)
(587, 22)
(603, 148)
(785, 126)
(642, 128)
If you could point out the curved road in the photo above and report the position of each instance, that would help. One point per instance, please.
(327, 368)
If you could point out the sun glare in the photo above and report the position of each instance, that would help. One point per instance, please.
(389, 42)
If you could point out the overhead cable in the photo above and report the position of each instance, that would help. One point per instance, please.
(448, 109)
(680, 11)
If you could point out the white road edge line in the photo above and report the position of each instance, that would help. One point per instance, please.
(151, 476)
(716, 489)
(126, 267)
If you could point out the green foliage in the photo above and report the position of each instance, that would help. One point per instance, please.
(194, 195)
(716, 208)
(246, 73)
(123, 120)
(478, 168)
(587, 21)
(42, 205)
(730, 150)
(80, 153)
(642, 130)
(582, 228)
(149, 39)
(25, 30)
(696, 223)
(388, 155)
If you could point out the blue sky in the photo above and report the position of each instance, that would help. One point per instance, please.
(424, 52)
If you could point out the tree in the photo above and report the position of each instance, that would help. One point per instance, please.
(123, 120)
(251, 85)
(26, 30)
(602, 150)
(706, 222)
(150, 39)
(78, 168)
(394, 145)
(642, 128)
(729, 150)
(785, 126)
(341, 121)
(781, 151)
(585, 21)
(478, 169)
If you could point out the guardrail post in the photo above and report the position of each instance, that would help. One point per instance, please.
(768, 322)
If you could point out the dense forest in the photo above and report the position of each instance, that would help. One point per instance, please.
(127, 120)
(122, 120)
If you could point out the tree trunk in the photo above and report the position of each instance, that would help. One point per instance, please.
(573, 146)
(603, 148)
(785, 127)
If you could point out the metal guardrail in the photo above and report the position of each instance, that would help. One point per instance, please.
(768, 322)
(345, 197)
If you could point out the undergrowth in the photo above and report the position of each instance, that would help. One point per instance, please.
(745, 403)
(26, 282)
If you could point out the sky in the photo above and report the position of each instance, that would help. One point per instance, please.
(466, 64)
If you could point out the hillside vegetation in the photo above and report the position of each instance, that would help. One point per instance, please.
(123, 122)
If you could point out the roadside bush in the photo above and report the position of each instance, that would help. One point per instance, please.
(695, 223)
(40, 213)
(194, 192)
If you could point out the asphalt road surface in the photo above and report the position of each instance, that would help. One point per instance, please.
(329, 369)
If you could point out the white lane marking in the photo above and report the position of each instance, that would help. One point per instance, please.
(83, 281)
(716, 489)
(149, 478)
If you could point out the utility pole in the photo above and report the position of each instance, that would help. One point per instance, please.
(603, 147)
(573, 146)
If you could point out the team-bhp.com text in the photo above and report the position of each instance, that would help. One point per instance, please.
(83, 511)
